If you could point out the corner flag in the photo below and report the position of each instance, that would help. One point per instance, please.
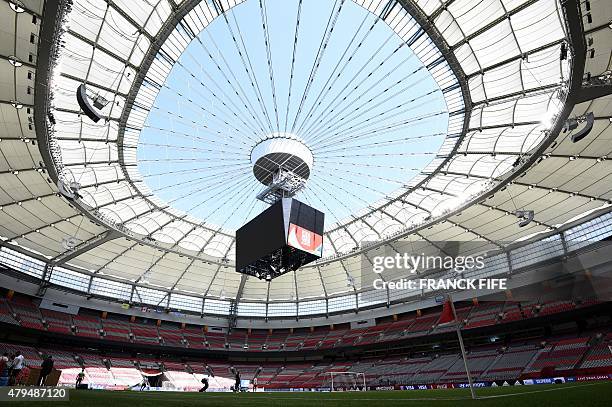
(448, 314)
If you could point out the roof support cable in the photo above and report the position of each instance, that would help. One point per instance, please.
(197, 137)
(184, 170)
(230, 122)
(234, 80)
(343, 134)
(338, 145)
(333, 171)
(339, 119)
(313, 200)
(233, 84)
(327, 86)
(227, 193)
(264, 23)
(295, 42)
(338, 101)
(193, 137)
(335, 102)
(331, 22)
(335, 187)
(370, 166)
(217, 178)
(240, 201)
(247, 64)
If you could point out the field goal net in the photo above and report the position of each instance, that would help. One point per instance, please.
(346, 381)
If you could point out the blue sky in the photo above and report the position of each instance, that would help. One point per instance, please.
(372, 115)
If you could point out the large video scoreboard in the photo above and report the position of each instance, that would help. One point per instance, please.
(284, 237)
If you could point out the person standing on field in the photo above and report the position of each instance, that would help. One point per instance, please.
(16, 366)
(45, 368)
(80, 377)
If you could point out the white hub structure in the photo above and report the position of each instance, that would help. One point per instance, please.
(283, 163)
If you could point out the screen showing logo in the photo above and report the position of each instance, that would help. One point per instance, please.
(305, 240)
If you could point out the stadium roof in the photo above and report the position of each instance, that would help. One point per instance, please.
(500, 91)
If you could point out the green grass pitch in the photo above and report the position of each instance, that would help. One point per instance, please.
(566, 395)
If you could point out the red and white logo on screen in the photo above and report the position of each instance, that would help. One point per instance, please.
(305, 240)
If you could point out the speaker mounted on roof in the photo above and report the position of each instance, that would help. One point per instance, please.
(90, 106)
